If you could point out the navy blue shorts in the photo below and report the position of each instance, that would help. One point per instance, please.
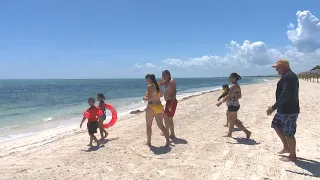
(233, 108)
(92, 127)
(286, 122)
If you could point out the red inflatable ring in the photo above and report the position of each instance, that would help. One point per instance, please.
(114, 115)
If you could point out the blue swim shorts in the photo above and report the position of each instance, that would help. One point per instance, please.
(286, 122)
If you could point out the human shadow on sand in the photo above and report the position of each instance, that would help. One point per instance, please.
(102, 143)
(313, 167)
(105, 141)
(179, 141)
(160, 150)
(245, 141)
(236, 129)
(93, 148)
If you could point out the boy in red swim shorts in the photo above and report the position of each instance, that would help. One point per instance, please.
(171, 101)
(92, 114)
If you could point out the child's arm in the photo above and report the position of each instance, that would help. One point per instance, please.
(223, 95)
(83, 119)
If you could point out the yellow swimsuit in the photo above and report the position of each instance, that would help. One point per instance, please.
(157, 108)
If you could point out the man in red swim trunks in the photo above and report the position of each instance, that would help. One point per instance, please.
(171, 101)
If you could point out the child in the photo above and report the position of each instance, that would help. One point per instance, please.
(226, 90)
(92, 125)
(101, 99)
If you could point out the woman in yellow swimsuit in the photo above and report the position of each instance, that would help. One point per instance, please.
(154, 108)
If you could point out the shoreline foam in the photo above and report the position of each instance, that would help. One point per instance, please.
(64, 130)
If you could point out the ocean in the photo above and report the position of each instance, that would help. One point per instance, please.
(31, 106)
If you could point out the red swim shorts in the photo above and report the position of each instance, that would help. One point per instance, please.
(173, 108)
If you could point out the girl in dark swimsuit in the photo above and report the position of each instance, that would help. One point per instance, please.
(232, 100)
(103, 132)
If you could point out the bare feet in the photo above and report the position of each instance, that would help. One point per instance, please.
(89, 145)
(283, 151)
(290, 158)
(105, 135)
(167, 144)
(226, 125)
(248, 135)
(98, 144)
(227, 135)
(148, 144)
(172, 136)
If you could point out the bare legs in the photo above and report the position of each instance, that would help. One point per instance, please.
(233, 120)
(103, 132)
(150, 114)
(149, 119)
(289, 145)
(169, 125)
(227, 125)
(93, 137)
(159, 120)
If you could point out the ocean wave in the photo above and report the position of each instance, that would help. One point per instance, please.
(47, 119)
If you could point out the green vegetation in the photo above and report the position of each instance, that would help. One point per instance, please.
(317, 67)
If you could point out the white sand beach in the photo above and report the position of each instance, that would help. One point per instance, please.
(199, 153)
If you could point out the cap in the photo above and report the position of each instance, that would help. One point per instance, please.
(281, 63)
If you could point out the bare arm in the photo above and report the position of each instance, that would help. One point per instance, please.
(83, 119)
(174, 89)
(239, 93)
(162, 82)
(223, 95)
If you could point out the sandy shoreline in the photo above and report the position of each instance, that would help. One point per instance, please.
(200, 152)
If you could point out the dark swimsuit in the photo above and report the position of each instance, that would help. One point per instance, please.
(233, 103)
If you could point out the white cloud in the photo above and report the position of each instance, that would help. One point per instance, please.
(144, 66)
(201, 62)
(247, 54)
(305, 50)
(303, 36)
(291, 26)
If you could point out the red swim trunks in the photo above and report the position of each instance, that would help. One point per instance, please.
(173, 108)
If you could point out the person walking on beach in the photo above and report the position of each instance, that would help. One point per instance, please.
(233, 104)
(154, 108)
(92, 114)
(101, 99)
(171, 101)
(287, 106)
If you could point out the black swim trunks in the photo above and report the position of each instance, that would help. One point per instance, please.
(233, 108)
(92, 127)
(286, 122)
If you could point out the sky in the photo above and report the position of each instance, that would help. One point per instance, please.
(127, 39)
